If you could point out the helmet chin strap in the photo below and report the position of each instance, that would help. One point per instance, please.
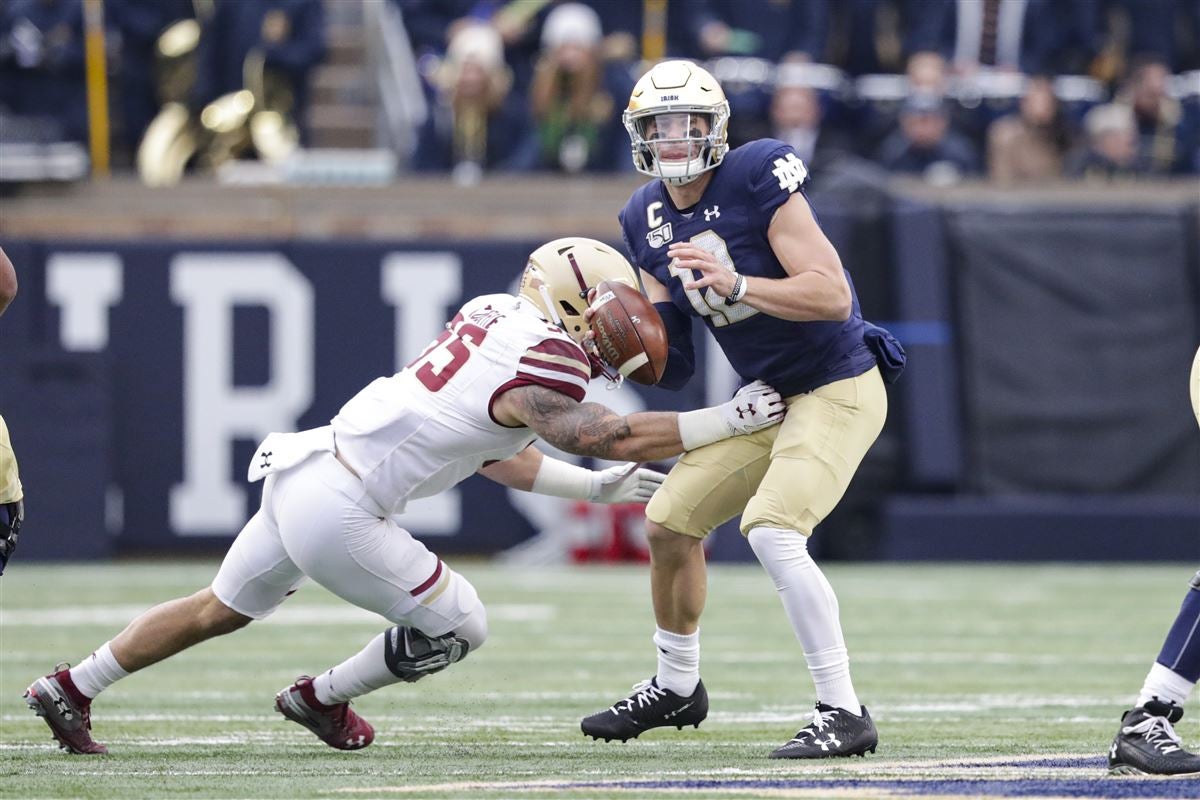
(693, 169)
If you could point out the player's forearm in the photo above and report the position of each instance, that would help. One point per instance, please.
(642, 436)
(518, 472)
(807, 297)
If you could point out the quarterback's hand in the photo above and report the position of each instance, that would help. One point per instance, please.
(708, 271)
(626, 483)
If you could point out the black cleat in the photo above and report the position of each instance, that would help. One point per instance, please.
(648, 707)
(1146, 744)
(833, 732)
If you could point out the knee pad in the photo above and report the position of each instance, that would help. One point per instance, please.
(778, 548)
(411, 655)
(1195, 581)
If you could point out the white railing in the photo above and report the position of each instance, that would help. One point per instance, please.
(394, 76)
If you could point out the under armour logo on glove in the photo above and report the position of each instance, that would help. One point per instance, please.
(266, 458)
(755, 406)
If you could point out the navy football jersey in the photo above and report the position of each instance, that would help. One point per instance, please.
(731, 222)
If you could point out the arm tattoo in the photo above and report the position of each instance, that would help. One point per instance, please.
(586, 429)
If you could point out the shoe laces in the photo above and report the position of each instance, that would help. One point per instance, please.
(1158, 732)
(644, 693)
(820, 721)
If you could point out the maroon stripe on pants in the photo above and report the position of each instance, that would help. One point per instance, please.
(430, 581)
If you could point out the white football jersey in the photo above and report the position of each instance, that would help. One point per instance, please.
(429, 426)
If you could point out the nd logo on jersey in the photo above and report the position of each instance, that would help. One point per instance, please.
(790, 171)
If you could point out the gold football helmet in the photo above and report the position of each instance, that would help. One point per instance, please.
(661, 120)
(560, 273)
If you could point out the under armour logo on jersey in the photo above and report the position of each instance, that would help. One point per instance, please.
(790, 171)
(659, 236)
(266, 458)
(745, 412)
(711, 214)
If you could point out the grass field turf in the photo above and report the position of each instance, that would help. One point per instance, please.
(984, 681)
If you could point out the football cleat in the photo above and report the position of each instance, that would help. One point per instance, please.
(648, 707)
(1146, 744)
(337, 725)
(833, 732)
(55, 699)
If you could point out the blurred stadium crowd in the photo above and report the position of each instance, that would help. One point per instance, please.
(1014, 90)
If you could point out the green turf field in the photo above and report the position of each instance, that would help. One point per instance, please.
(983, 681)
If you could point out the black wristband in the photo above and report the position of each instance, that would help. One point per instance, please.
(739, 290)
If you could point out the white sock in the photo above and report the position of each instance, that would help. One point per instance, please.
(97, 672)
(1165, 684)
(363, 672)
(812, 608)
(678, 661)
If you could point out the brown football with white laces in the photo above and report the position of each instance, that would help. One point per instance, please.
(630, 335)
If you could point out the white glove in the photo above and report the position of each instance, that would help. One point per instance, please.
(625, 483)
(754, 407)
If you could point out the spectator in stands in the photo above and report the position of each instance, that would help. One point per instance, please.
(925, 143)
(475, 124)
(290, 36)
(1111, 150)
(41, 67)
(870, 36)
(428, 22)
(777, 30)
(1030, 145)
(432, 24)
(571, 98)
(796, 118)
(623, 24)
(137, 25)
(1166, 31)
(1166, 140)
(1009, 35)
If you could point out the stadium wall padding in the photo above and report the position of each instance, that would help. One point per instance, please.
(1071, 330)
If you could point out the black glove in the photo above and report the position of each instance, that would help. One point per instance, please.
(11, 515)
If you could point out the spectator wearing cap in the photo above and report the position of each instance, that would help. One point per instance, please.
(1029, 146)
(1111, 151)
(925, 144)
(476, 124)
(573, 95)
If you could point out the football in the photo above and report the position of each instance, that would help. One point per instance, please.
(629, 333)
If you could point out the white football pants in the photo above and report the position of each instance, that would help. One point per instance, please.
(316, 521)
